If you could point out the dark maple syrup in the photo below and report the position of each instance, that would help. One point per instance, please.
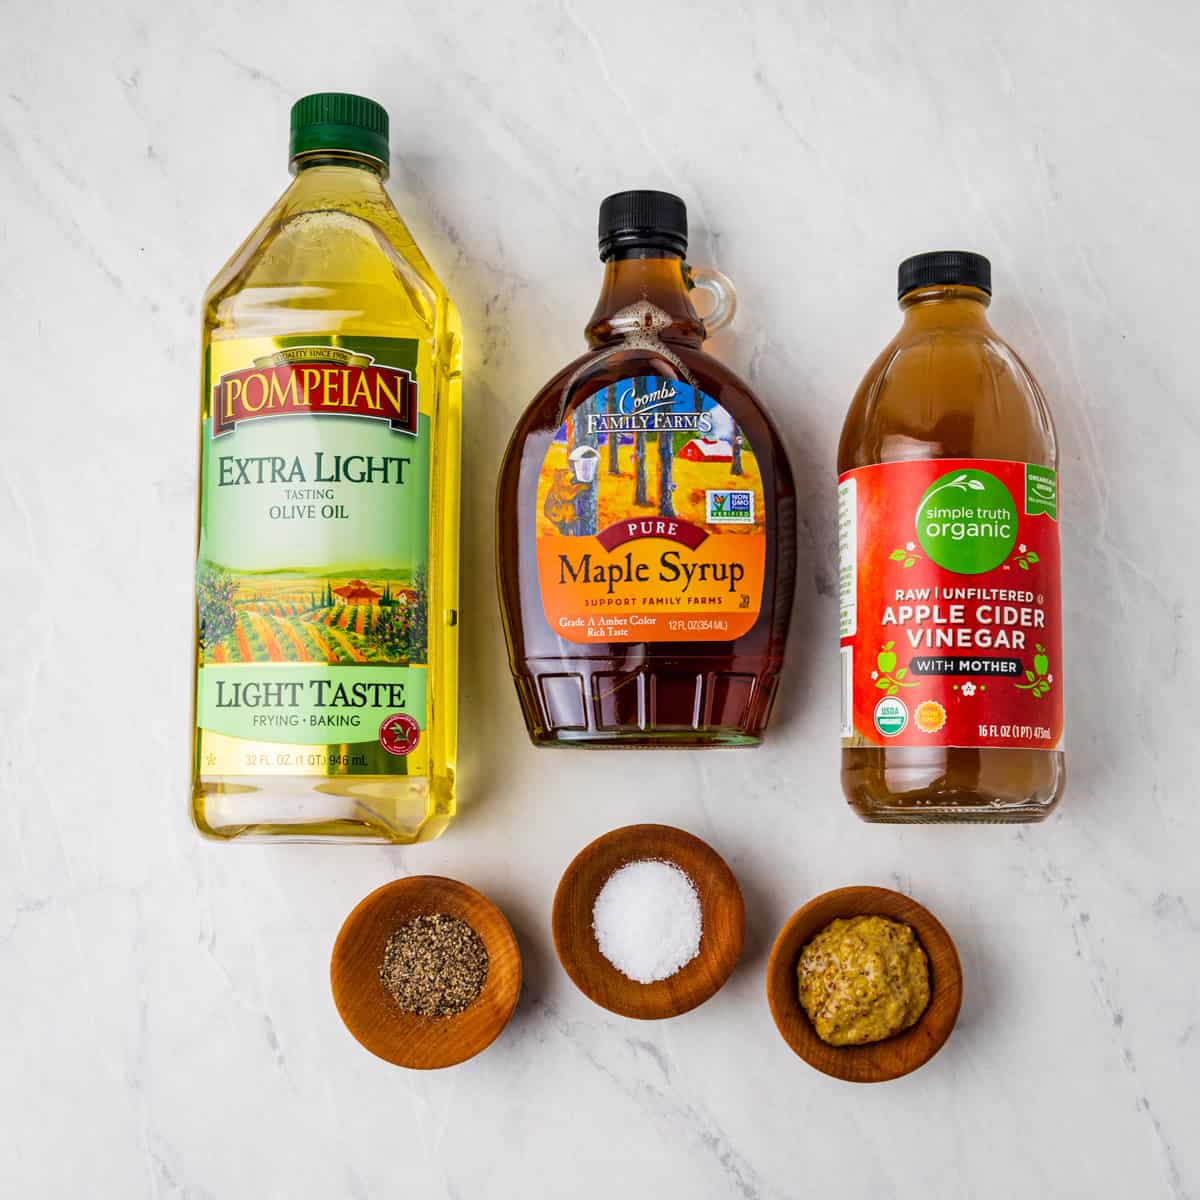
(646, 517)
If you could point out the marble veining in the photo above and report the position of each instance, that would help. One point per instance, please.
(167, 1025)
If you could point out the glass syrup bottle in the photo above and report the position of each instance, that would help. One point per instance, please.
(951, 628)
(327, 578)
(646, 517)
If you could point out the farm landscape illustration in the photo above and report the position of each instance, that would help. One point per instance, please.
(602, 466)
(373, 617)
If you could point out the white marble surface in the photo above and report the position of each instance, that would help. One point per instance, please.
(167, 1029)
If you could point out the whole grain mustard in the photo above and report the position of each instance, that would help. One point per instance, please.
(863, 979)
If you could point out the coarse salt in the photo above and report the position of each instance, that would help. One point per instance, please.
(647, 920)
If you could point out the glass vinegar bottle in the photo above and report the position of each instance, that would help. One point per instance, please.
(951, 621)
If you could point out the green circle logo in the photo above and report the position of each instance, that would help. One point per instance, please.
(891, 716)
(967, 522)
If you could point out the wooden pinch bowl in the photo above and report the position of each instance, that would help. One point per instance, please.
(723, 915)
(369, 1010)
(875, 1061)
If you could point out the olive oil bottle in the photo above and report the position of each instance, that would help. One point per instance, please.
(951, 615)
(327, 572)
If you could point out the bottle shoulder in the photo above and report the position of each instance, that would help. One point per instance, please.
(601, 367)
(597, 369)
(331, 256)
(948, 393)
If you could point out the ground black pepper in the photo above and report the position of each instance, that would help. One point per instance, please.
(434, 966)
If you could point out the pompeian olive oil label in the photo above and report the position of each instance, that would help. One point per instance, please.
(951, 615)
(314, 543)
(650, 518)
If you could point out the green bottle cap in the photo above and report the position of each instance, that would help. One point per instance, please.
(339, 121)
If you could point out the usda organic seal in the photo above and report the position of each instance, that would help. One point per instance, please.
(891, 716)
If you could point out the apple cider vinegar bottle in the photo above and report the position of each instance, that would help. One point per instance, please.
(951, 616)
(327, 574)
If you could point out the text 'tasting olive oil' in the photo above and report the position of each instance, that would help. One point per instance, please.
(327, 575)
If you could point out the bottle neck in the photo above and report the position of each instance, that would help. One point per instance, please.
(312, 160)
(658, 279)
(945, 304)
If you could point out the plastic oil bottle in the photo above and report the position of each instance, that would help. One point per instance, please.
(327, 574)
(951, 625)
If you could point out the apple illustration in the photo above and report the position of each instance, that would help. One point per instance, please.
(886, 659)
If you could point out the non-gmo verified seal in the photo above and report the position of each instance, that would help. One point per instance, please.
(729, 507)
(891, 716)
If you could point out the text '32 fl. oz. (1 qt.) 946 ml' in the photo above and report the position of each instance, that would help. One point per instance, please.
(646, 517)
(327, 574)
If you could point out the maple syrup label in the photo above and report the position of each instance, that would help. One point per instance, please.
(312, 573)
(651, 521)
(951, 614)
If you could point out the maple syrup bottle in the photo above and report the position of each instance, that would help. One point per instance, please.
(646, 517)
(951, 617)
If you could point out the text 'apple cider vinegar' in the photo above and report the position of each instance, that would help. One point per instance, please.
(646, 517)
(951, 613)
(327, 573)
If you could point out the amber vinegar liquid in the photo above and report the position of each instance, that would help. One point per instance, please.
(948, 387)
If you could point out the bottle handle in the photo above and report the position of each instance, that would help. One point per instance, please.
(724, 297)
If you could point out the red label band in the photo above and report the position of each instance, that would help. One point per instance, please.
(315, 389)
(630, 530)
(951, 615)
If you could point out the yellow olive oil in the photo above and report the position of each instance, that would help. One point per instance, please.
(327, 570)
